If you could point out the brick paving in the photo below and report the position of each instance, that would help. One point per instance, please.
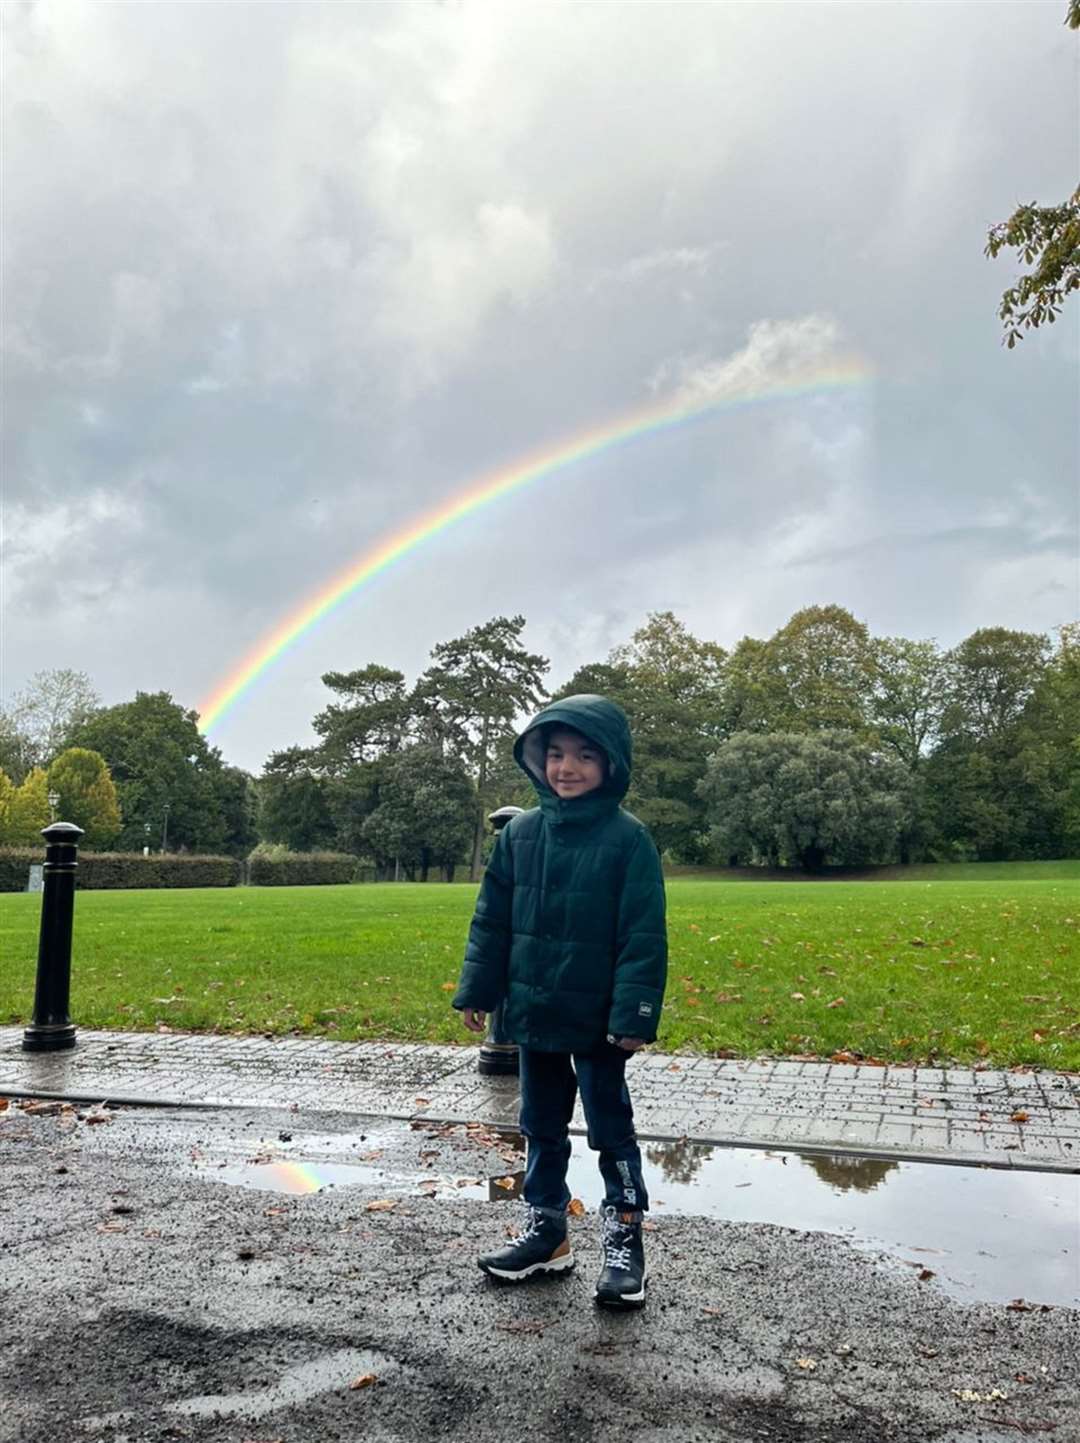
(1000, 1119)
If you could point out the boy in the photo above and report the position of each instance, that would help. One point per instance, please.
(569, 929)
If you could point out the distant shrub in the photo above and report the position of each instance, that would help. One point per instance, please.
(113, 871)
(267, 868)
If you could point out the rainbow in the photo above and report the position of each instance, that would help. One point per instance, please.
(293, 1177)
(623, 430)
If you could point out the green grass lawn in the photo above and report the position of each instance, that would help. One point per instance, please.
(911, 970)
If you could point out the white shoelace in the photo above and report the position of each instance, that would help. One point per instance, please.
(616, 1254)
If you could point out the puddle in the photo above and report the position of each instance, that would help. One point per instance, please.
(986, 1235)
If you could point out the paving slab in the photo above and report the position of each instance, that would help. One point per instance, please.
(984, 1118)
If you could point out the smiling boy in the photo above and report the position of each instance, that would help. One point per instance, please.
(569, 929)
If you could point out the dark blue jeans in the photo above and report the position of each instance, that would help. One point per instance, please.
(549, 1084)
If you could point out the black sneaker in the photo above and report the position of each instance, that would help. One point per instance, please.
(622, 1279)
(542, 1247)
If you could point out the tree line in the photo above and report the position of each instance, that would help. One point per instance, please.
(820, 745)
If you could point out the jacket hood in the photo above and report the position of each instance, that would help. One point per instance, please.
(603, 723)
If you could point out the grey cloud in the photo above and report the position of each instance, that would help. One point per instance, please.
(281, 277)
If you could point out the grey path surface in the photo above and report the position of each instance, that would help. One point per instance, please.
(1001, 1119)
(145, 1299)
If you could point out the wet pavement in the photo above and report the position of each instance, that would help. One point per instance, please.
(1017, 1119)
(262, 1276)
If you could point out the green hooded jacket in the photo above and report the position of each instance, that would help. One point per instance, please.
(569, 926)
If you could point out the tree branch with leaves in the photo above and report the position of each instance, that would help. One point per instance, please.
(1047, 238)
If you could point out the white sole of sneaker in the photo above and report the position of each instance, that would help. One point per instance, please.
(624, 1300)
(553, 1265)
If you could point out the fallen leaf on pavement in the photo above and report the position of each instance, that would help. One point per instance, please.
(4, 1104)
(576, 1208)
(807, 1364)
(969, 1395)
(506, 1183)
(522, 1325)
(381, 1205)
(926, 1274)
(365, 1380)
(42, 1108)
(1019, 1116)
(377, 1152)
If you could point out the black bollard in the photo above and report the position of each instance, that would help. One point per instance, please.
(498, 1055)
(51, 1029)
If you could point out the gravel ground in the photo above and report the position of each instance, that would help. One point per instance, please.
(142, 1298)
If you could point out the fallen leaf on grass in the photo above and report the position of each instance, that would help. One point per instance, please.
(837, 1002)
(448, 987)
(365, 1380)
(798, 997)
(576, 1208)
(381, 1205)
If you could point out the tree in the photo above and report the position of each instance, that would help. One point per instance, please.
(908, 698)
(424, 813)
(670, 683)
(7, 793)
(1046, 238)
(163, 767)
(990, 784)
(371, 719)
(806, 799)
(823, 662)
(991, 677)
(87, 795)
(238, 799)
(47, 713)
(28, 811)
(294, 804)
(16, 748)
(467, 702)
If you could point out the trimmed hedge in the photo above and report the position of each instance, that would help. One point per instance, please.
(102, 871)
(302, 869)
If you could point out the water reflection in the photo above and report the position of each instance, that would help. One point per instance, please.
(679, 1161)
(863, 1174)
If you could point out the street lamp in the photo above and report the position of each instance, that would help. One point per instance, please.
(54, 802)
(165, 826)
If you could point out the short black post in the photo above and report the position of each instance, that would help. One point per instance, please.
(498, 1055)
(51, 1029)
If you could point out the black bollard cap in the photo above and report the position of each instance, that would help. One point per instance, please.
(61, 832)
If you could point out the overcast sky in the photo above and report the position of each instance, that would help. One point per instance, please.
(280, 277)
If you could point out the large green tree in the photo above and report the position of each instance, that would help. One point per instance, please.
(670, 683)
(793, 798)
(87, 796)
(168, 777)
(371, 717)
(989, 783)
(425, 805)
(468, 702)
(295, 802)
